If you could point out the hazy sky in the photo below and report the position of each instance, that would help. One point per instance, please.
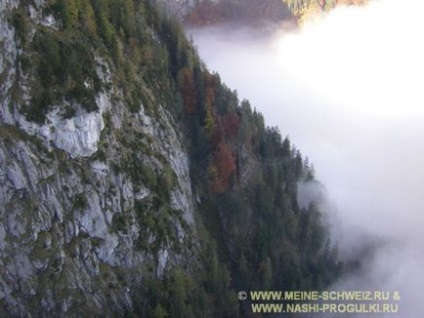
(348, 90)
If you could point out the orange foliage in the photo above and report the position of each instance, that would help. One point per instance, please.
(253, 11)
(210, 95)
(204, 13)
(209, 80)
(226, 128)
(218, 133)
(222, 168)
(231, 123)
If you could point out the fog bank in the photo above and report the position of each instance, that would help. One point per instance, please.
(347, 89)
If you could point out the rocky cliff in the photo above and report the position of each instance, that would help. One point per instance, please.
(74, 234)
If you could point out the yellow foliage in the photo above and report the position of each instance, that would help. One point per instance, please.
(308, 12)
(351, 2)
(209, 121)
(89, 19)
(304, 10)
(213, 173)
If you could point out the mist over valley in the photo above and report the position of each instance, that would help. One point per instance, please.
(346, 88)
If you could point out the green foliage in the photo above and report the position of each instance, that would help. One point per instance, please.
(80, 201)
(20, 22)
(180, 288)
(265, 273)
(181, 294)
(65, 70)
(159, 312)
(165, 182)
(148, 175)
(119, 222)
(104, 26)
(158, 225)
(64, 10)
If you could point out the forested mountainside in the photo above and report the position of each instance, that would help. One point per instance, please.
(247, 11)
(210, 12)
(133, 182)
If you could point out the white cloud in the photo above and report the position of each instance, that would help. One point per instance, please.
(348, 89)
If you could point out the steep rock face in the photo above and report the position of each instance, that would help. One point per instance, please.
(7, 58)
(78, 223)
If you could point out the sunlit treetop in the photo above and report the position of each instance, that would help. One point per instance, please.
(306, 9)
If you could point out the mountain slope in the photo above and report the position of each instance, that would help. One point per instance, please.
(132, 181)
(207, 12)
(248, 12)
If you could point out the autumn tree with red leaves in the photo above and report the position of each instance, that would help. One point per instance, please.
(222, 168)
